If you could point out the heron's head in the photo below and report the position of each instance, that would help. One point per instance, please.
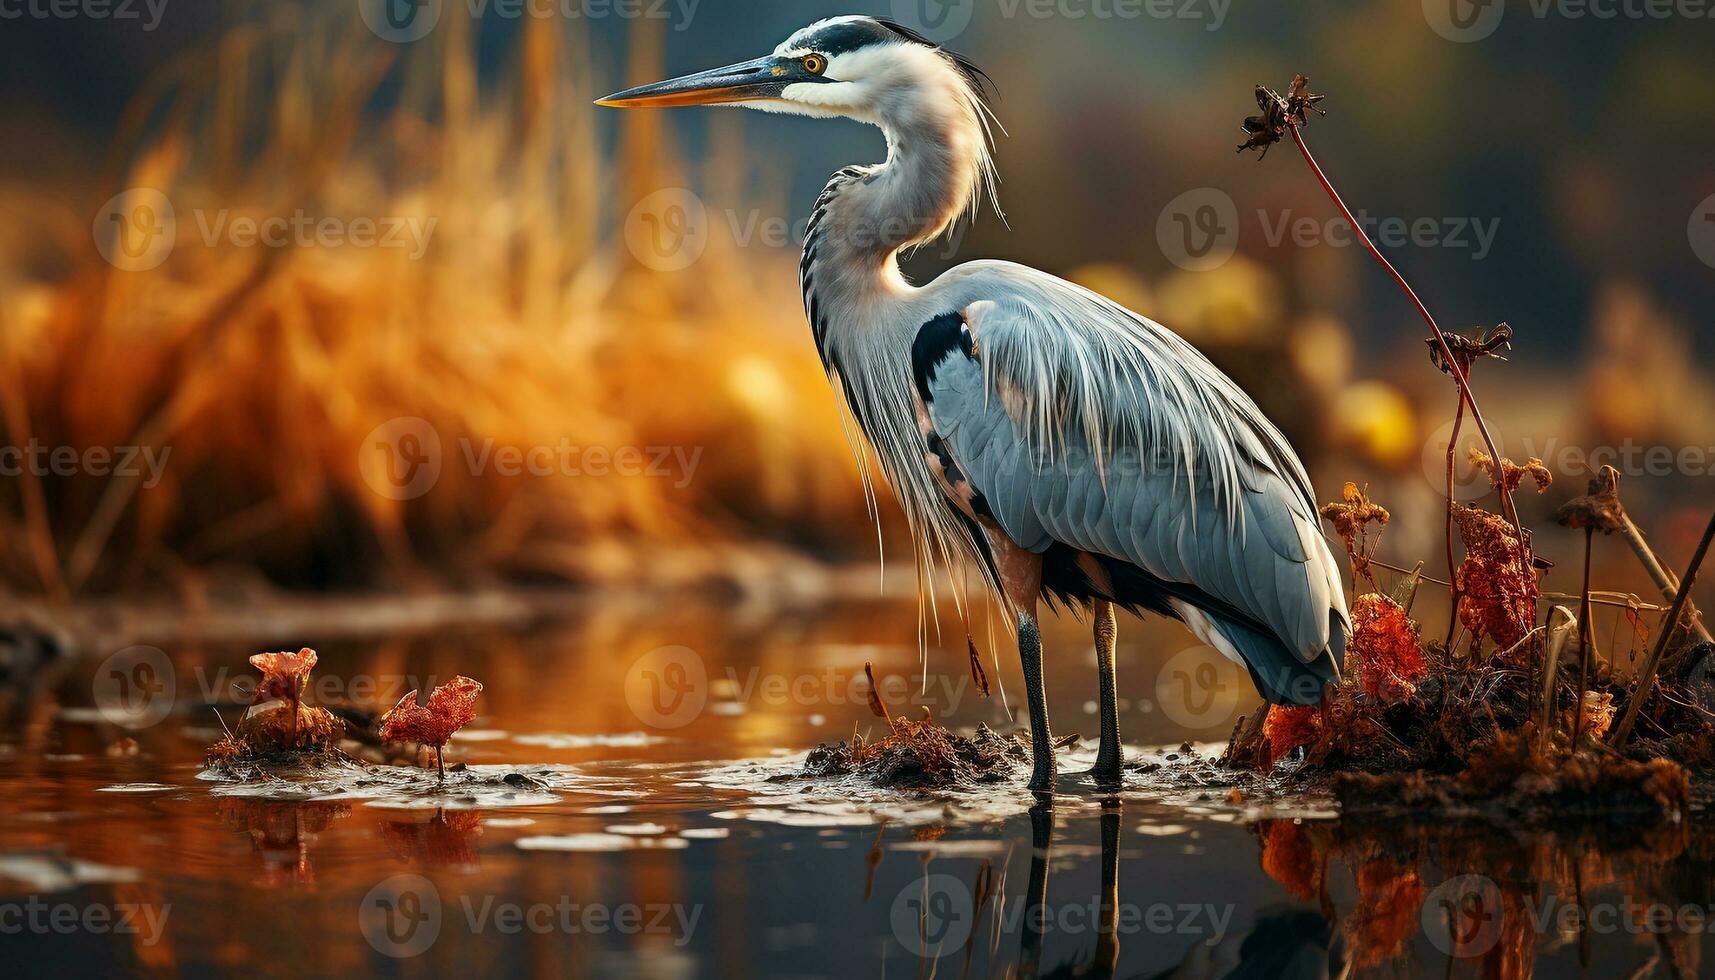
(858, 67)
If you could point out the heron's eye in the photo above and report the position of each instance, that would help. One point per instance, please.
(815, 64)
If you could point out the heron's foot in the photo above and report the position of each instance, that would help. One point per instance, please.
(1103, 780)
(1109, 761)
(1106, 774)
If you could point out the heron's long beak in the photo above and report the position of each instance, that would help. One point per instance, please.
(747, 81)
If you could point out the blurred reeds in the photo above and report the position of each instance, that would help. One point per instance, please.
(262, 369)
(528, 322)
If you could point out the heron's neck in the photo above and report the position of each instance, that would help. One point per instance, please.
(933, 169)
(867, 215)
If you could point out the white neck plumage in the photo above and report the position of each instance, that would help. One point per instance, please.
(937, 166)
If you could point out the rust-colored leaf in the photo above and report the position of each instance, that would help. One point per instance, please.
(451, 707)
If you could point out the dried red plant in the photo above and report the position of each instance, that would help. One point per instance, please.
(1498, 590)
(1384, 652)
(451, 707)
(1352, 518)
(1289, 726)
(1512, 474)
(283, 676)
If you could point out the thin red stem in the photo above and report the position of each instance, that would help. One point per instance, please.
(1452, 362)
(1452, 569)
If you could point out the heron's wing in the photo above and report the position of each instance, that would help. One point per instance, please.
(1082, 423)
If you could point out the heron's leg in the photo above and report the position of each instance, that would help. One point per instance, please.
(1021, 580)
(1107, 934)
(1041, 739)
(1108, 756)
(1036, 890)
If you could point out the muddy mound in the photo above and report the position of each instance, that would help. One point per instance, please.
(920, 755)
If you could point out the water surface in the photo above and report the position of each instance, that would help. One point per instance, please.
(657, 835)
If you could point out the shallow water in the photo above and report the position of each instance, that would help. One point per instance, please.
(655, 837)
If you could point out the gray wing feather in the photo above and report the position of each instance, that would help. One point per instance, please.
(1235, 520)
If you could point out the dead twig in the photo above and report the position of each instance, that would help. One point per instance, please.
(1605, 489)
(1583, 640)
(877, 706)
(1557, 638)
(1646, 676)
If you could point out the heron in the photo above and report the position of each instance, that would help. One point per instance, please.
(1081, 455)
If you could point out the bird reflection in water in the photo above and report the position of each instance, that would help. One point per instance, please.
(1285, 942)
